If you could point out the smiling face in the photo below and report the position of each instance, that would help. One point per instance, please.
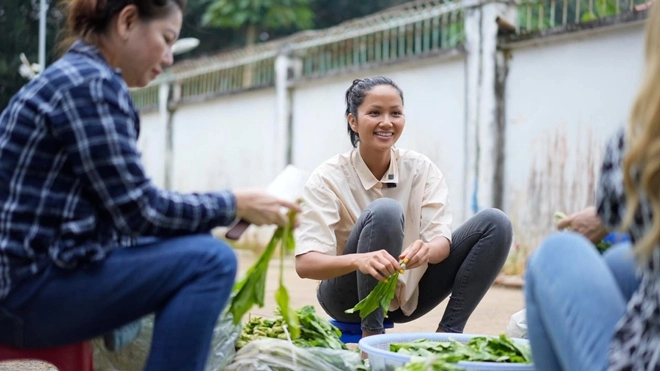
(380, 120)
(147, 47)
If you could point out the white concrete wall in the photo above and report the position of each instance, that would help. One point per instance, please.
(225, 142)
(563, 99)
(434, 99)
(152, 145)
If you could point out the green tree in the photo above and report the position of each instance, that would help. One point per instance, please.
(211, 39)
(19, 30)
(257, 15)
(535, 14)
(328, 13)
(19, 33)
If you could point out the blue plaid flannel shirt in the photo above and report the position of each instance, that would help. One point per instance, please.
(72, 185)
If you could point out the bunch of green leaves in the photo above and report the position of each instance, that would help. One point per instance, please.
(379, 297)
(315, 331)
(250, 290)
(478, 349)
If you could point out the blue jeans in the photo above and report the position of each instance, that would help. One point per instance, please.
(477, 253)
(185, 281)
(574, 298)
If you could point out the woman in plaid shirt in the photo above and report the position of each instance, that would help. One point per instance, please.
(75, 203)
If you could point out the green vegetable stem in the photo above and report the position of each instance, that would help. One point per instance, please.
(250, 290)
(282, 295)
(380, 296)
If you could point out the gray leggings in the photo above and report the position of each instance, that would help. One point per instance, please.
(478, 251)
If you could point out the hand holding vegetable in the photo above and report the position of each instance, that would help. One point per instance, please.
(420, 253)
(585, 222)
(417, 254)
(259, 207)
(378, 264)
(380, 296)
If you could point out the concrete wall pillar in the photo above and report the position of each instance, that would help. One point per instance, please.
(484, 135)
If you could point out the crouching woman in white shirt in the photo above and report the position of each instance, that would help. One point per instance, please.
(367, 209)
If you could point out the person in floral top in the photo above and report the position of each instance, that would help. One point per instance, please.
(578, 315)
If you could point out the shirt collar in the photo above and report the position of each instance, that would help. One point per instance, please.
(368, 180)
(91, 51)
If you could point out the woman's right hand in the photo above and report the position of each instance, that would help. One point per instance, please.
(259, 207)
(379, 264)
(585, 222)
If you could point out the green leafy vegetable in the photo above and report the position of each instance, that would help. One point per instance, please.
(250, 290)
(282, 295)
(559, 215)
(478, 349)
(315, 331)
(380, 296)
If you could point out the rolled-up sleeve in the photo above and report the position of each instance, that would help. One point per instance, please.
(320, 213)
(97, 126)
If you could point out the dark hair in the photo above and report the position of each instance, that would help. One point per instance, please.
(355, 97)
(92, 17)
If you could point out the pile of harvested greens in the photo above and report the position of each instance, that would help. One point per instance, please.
(315, 331)
(478, 349)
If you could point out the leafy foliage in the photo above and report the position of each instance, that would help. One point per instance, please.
(19, 30)
(256, 15)
(478, 349)
(265, 13)
(19, 33)
(331, 12)
(533, 15)
(315, 330)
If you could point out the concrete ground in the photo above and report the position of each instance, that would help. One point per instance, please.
(491, 316)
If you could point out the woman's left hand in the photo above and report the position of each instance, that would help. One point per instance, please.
(418, 254)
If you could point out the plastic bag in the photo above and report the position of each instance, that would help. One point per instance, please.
(223, 347)
(134, 355)
(119, 338)
(517, 327)
(277, 354)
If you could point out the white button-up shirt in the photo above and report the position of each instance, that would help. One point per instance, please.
(339, 190)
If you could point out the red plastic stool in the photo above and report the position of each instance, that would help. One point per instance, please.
(73, 357)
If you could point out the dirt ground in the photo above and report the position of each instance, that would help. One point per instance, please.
(490, 318)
